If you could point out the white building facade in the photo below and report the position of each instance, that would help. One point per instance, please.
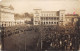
(49, 17)
(19, 22)
(6, 16)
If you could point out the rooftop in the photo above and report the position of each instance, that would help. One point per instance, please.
(7, 7)
(71, 15)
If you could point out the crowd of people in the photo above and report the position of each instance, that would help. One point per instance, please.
(53, 40)
(61, 42)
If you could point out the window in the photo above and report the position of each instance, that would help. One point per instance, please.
(46, 22)
(57, 18)
(57, 22)
(54, 22)
(54, 18)
(2, 25)
(51, 18)
(5, 24)
(51, 22)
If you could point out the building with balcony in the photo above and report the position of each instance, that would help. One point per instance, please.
(53, 18)
(49, 17)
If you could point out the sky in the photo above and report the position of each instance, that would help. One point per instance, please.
(22, 6)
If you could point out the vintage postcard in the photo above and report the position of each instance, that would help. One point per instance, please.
(39, 25)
